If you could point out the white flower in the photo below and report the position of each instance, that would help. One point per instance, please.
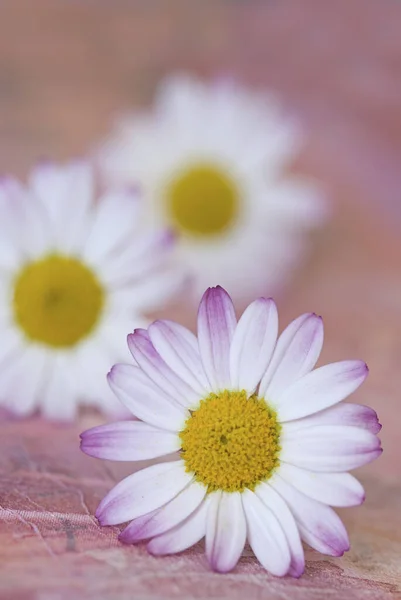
(264, 444)
(74, 275)
(211, 160)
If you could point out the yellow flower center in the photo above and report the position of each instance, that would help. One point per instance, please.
(231, 442)
(202, 201)
(57, 300)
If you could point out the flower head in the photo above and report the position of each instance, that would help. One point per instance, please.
(74, 275)
(212, 159)
(264, 443)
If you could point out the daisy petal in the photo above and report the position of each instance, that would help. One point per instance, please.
(266, 536)
(216, 326)
(145, 400)
(225, 531)
(319, 525)
(158, 371)
(65, 191)
(59, 398)
(253, 343)
(345, 413)
(128, 440)
(178, 347)
(142, 492)
(182, 536)
(320, 389)
(280, 509)
(336, 489)
(22, 378)
(329, 448)
(168, 516)
(297, 351)
(113, 221)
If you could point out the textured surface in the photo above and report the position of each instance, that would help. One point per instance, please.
(65, 67)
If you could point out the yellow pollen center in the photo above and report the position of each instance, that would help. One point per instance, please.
(202, 201)
(57, 300)
(231, 442)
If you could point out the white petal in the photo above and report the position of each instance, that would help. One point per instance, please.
(182, 536)
(216, 326)
(145, 400)
(151, 292)
(319, 525)
(336, 489)
(225, 531)
(113, 221)
(158, 371)
(22, 377)
(280, 509)
(296, 353)
(66, 192)
(320, 389)
(12, 342)
(143, 492)
(266, 535)
(24, 227)
(168, 516)
(253, 343)
(178, 347)
(344, 413)
(59, 398)
(128, 440)
(329, 448)
(138, 258)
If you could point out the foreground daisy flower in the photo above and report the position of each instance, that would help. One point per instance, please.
(264, 443)
(73, 276)
(211, 161)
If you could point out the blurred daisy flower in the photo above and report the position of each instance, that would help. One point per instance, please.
(211, 159)
(264, 443)
(74, 275)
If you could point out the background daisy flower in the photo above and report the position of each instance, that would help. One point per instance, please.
(264, 443)
(74, 275)
(211, 160)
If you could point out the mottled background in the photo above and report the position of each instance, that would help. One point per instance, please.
(67, 67)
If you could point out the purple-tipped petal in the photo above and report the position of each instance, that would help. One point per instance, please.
(266, 535)
(158, 371)
(183, 536)
(297, 351)
(284, 516)
(128, 440)
(168, 516)
(320, 389)
(225, 531)
(144, 399)
(216, 326)
(178, 347)
(344, 413)
(143, 492)
(253, 344)
(328, 448)
(335, 489)
(319, 525)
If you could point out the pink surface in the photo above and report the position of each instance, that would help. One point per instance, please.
(65, 67)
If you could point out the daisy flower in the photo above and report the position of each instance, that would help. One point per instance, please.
(264, 445)
(74, 274)
(211, 161)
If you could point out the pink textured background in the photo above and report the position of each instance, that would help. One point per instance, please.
(65, 68)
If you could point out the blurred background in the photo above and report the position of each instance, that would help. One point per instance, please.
(68, 68)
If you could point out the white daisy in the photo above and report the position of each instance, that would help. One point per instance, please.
(211, 161)
(74, 275)
(264, 444)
